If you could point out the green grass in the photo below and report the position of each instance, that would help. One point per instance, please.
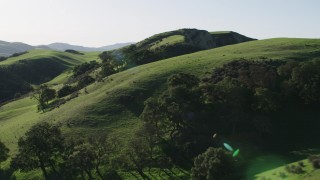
(171, 40)
(69, 58)
(101, 111)
(309, 174)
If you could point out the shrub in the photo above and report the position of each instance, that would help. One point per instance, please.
(83, 68)
(215, 163)
(85, 81)
(315, 160)
(65, 90)
(294, 169)
(73, 51)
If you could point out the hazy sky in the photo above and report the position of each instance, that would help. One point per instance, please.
(103, 22)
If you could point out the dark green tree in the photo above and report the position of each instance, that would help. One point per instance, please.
(83, 68)
(39, 148)
(214, 164)
(65, 91)
(43, 95)
(85, 81)
(110, 64)
(306, 79)
(3, 152)
(82, 160)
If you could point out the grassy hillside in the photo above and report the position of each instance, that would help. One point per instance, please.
(281, 173)
(175, 43)
(114, 106)
(19, 73)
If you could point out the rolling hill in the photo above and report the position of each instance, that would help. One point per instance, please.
(103, 110)
(19, 74)
(9, 48)
(175, 43)
(65, 46)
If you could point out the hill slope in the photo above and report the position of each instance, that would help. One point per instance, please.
(114, 105)
(17, 74)
(175, 43)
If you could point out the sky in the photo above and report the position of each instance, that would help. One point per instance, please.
(97, 23)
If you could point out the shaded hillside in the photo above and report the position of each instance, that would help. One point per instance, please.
(223, 38)
(175, 43)
(34, 68)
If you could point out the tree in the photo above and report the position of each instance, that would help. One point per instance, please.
(65, 90)
(86, 158)
(214, 164)
(43, 95)
(306, 79)
(109, 64)
(266, 100)
(85, 81)
(82, 160)
(3, 152)
(39, 148)
(83, 68)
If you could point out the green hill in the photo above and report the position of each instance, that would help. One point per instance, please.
(175, 43)
(19, 74)
(114, 106)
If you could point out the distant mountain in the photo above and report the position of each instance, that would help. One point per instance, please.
(65, 46)
(9, 48)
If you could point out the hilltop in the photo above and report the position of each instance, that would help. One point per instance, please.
(176, 43)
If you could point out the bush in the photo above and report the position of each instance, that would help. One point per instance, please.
(215, 163)
(3, 152)
(83, 68)
(294, 169)
(315, 160)
(65, 91)
(85, 81)
(73, 51)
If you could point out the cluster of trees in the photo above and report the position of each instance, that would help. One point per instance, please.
(73, 52)
(44, 147)
(84, 68)
(242, 97)
(99, 157)
(110, 64)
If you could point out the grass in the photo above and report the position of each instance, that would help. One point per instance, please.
(171, 40)
(309, 173)
(69, 58)
(102, 111)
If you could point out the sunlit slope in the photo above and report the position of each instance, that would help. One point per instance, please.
(67, 58)
(113, 106)
(281, 173)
